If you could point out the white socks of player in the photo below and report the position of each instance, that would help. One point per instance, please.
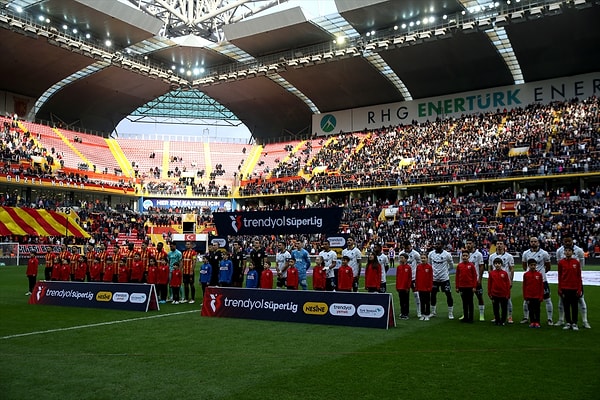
(582, 310)
(417, 303)
(549, 308)
(450, 312)
(433, 311)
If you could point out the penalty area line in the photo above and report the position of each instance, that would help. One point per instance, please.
(94, 325)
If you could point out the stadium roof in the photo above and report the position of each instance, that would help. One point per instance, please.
(273, 71)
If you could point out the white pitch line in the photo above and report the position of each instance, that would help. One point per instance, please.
(94, 325)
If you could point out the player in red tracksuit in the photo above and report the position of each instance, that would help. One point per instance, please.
(533, 292)
(96, 270)
(266, 276)
(499, 284)
(424, 286)
(403, 284)
(292, 280)
(110, 270)
(64, 273)
(319, 274)
(64, 253)
(55, 275)
(123, 271)
(175, 282)
(137, 269)
(152, 271)
(345, 278)
(32, 271)
(372, 274)
(570, 287)
(162, 279)
(466, 285)
(81, 269)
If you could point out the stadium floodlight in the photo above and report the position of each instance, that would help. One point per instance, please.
(425, 35)
(581, 4)
(484, 23)
(440, 32)
(501, 21)
(16, 24)
(468, 27)
(535, 12)
(554, 9)
(517, 16)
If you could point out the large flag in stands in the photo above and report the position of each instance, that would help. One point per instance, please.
(36, 222)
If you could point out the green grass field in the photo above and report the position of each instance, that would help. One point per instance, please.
(177, 354)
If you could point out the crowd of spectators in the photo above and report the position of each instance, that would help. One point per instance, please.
(164, 188)
(562, 137)
(452, 219)
(22, 154)
(558, 138)
(421, 219)
(272, 186)
(211, 189)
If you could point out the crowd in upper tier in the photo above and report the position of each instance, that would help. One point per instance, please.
(558, 138)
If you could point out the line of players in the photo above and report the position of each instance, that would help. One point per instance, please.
(221, 268)
(346, 278)
(570, 260)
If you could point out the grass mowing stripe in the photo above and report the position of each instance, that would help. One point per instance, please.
(70, 328)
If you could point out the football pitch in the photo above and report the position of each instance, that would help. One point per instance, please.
(49, 352)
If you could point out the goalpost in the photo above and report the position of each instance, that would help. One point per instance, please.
(9, 253)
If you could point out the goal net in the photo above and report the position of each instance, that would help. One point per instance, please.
(9, 253)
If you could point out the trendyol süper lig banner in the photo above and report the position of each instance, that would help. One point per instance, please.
(368, 310)
(116, 296)
(316, 220)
